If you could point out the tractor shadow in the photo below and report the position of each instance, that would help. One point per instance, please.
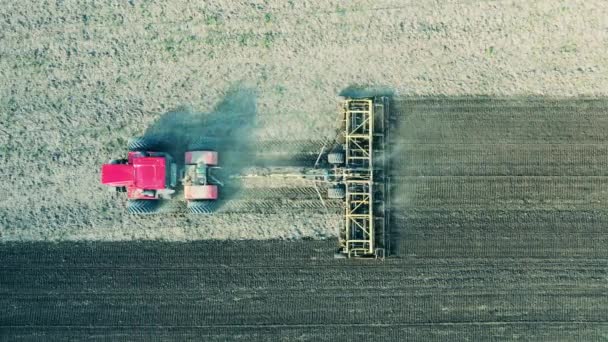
(226, 129)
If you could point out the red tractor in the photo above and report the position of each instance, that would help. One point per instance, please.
(149, 176)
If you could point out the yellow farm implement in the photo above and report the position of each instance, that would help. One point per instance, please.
(356, 172)
(364, 177)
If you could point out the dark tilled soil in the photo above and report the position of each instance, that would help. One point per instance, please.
(259, 291)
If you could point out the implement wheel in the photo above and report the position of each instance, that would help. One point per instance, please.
(336, 192)
(142, 206)
(335, 158)
(200, 207)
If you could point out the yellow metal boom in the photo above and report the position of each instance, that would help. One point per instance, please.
(363, 232)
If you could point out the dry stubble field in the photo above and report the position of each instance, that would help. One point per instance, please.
(499, 169)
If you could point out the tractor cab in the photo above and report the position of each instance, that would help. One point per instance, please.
(143, 175)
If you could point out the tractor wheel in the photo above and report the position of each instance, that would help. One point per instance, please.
(141, 144)
(200, 207)
(336, 192)
(336, 158)
(142, 206)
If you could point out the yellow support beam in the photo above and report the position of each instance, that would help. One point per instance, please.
(359, 234)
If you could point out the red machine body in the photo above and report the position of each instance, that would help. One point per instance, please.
(143, 174)
(196, 175)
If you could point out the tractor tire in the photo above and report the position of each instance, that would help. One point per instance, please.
(200, 207)
(336, 192)
(335, 158)
(142, 207)
(141, 144)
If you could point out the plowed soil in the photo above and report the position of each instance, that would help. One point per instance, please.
(296, 291)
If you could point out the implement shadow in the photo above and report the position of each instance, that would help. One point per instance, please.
(226, 129)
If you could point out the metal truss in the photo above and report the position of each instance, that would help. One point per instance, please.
(359, 236)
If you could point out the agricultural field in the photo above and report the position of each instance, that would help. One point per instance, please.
(499, 185)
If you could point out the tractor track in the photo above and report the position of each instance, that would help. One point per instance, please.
(279, 205)
(266, 192)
